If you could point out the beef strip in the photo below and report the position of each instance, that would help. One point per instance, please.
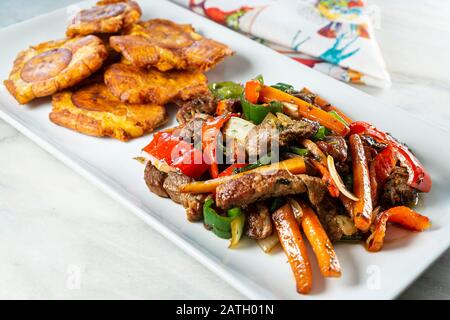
(259, 224)
(155, 180)
(326, 207)
(259, 139)
(201, 104)
(306, 96)
(191, 131)
(192, 202)
(396, 190)
(254, 187)
(336, 147)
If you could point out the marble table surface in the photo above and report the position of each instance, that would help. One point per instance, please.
(61, 238)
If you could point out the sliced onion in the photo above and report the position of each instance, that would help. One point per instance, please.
(346, 224)
(291, 110)
(296, 209)
(337, 179)
(269, 243)
(161, 165)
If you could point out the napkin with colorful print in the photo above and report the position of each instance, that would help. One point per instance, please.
(335, 37)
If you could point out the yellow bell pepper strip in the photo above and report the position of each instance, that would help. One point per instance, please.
(362, 209)
(210, 132)
(237, 228)
(323, 248)
(419, 178)
(401, 215)
(295, 166)
(177, 153)
(305, 109)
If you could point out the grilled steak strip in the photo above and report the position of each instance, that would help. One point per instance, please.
(396, 190)
(192, 202)
(259, 224)
(254, 187)
(167, 185)
(201, 104)
(259, 139)
(155, 180)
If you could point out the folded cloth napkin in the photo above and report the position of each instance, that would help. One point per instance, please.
(332, 36)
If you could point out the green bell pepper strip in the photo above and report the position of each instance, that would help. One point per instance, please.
(338, 117)
(222, 234)
(226, 90)
(213, 219)
(224, 227)
(321, 133)
(234, 212)
(262, 161)
(284, 87)
(257, 112)
(300, 151)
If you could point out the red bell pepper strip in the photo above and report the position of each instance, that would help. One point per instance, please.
(419, 178)
(231, 169)
(177, 153)
(252, 89)
(380, 170)
(210, 132)
(401, 215)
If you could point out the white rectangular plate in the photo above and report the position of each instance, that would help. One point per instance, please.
(108, 164)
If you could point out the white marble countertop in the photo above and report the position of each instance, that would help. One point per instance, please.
(61, 238)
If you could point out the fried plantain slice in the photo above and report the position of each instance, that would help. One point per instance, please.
(135, 85)
(52, 66)
(166, 45)
(94, 111)
(106, 17)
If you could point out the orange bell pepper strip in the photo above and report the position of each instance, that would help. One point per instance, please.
(362, 209)
(322, 166)
(305, 109)
(293, 245)
(320, 243)
(251, 90)
(401, 215)
(325, 105)
(326, 178)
